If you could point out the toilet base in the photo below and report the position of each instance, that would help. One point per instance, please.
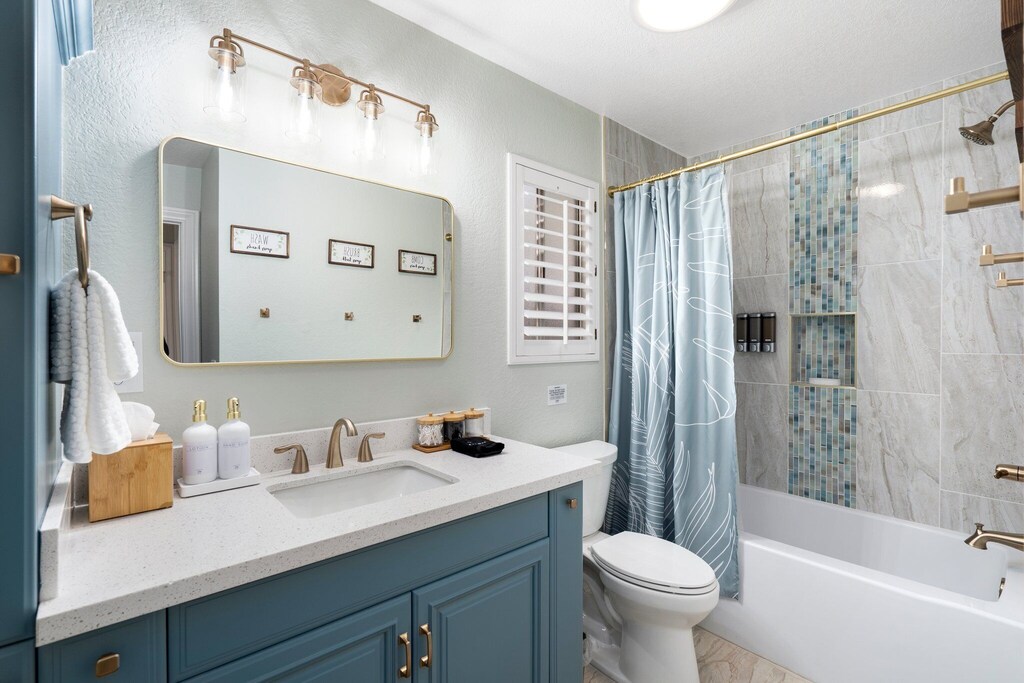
(605, 658)
(638, 662)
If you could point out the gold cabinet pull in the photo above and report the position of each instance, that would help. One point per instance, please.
(426, 659)
(108, 664)
(10, 264)
(572, 503)
(406, 670)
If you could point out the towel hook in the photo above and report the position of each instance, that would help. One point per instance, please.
(60, 209)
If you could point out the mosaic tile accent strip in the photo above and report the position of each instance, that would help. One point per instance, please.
(824, 346)
(823, 220)
(823, 444)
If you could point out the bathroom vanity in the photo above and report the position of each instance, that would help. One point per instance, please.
(478, 578)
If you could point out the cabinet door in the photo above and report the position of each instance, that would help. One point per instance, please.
(488, 623)
(364, 647)
(132, 651)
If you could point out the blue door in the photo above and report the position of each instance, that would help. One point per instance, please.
(30, 155)
(488, 623)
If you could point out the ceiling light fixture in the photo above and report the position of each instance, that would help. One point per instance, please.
(676, 15)
(314, 84)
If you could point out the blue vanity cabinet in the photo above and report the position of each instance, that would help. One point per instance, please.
(492, 597)
(489, 623)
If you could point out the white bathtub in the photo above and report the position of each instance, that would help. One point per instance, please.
(840, 595)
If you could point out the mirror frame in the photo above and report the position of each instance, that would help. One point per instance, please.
(449, 236)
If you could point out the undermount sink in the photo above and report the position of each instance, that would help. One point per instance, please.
(349, 491)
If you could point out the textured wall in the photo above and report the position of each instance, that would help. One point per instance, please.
(940, 350)
(145, 82)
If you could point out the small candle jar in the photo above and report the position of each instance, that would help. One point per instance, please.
(430, 429)
(474, 422)
(454, 425)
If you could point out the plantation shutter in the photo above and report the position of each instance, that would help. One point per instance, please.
(554, 288)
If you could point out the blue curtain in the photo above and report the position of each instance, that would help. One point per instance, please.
(673, 410)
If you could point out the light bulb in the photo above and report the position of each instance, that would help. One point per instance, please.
(370, 145)
(426, 163)
(304, 108)
(225, 87)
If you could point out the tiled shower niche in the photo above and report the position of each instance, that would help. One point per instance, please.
(823, 346)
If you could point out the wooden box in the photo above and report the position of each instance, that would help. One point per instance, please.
(136, 479)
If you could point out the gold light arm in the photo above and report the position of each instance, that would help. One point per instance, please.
(821, 130)
(322, 68)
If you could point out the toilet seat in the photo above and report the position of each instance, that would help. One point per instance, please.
(654, 563)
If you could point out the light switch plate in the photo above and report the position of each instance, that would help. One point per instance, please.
(133, 385)
(557, 394)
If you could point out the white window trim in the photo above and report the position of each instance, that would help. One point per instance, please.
(573, 353)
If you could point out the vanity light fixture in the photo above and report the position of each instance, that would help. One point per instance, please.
(314, 84)
(666, 16)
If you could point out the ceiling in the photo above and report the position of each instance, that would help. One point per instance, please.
(763, 66)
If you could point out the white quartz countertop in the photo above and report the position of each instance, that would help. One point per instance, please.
(122, 568)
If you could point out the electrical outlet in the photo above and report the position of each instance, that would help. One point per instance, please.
(557, 394)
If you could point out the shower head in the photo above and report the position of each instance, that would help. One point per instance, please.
(981, 133)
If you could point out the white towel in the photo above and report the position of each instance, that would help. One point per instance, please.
(90, 349)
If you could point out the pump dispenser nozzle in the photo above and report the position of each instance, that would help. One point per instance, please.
(199, 411)
(233, 412)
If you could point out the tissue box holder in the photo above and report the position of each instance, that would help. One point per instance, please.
(136, 479)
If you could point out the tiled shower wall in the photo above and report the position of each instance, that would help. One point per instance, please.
(628, 156)
(939, 349)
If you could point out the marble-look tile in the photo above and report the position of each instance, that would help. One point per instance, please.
(655, 158)
(984, 167)
(614, 173)
(898, 455)
(960, 513)
(900, 197)
(920, 115)
(763, 295)
(977, 316)
(621, 142)
(761, 159)
(720, 661)
(898, 327)
(762, 433)
(982, 423)
(759, 208)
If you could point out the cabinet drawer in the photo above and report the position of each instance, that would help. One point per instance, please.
(361, 647)
(227, 626)
(135, 652)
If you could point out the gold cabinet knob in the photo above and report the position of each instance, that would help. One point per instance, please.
(108, 664)
(10, 264)
(572, 503)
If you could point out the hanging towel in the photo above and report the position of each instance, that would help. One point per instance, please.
(90, 350)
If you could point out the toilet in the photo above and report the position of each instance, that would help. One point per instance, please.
(642, 595)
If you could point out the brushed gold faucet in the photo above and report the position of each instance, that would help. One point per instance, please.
(981, 538)
(365, 454)
(301, 463)
(334, 446)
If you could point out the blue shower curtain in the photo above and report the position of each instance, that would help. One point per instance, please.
(673, 408)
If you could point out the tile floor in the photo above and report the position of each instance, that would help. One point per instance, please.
(722, 662)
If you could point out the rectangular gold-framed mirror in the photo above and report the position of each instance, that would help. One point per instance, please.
(267, 261)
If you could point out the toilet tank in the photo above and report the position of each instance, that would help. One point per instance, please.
(595, 488)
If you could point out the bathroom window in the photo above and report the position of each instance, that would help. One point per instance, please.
(554, 290)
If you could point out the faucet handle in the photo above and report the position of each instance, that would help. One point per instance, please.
(979, 527)
(301, 464)
(365, 454)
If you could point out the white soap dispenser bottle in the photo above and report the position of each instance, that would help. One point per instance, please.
(199, 448)
(233, 444)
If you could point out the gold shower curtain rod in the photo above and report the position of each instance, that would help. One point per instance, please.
(821, 130)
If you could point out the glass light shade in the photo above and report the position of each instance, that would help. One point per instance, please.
(676, 15)
(303, 110)
(426, 155)
(225, 87)
(369, 142)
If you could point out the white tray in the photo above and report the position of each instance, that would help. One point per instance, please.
(187, 490)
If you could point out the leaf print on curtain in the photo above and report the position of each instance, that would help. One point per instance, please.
(673, 412)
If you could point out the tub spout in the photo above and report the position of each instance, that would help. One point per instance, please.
(981, 538)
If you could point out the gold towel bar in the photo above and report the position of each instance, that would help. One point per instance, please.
(960, 200)
(60, 209)
(990, 259)
(1002, 281)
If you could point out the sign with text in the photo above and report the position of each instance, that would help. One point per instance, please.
(417, 262)
(260, 241)
(342, 253)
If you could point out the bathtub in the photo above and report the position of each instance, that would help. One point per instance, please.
(843, 596)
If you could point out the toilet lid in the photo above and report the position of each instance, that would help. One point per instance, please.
(652, 562)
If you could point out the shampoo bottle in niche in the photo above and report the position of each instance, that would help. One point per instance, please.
(233, 448)
(199, 448)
